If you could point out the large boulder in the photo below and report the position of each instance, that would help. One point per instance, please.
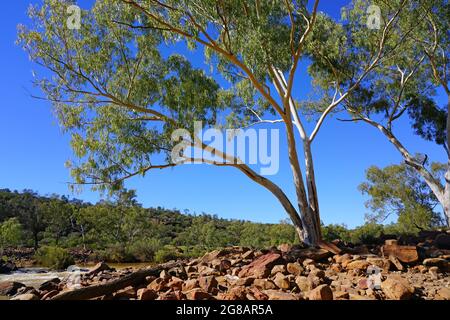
(443, 294)
(442, 264)
(7, 267)
(207, 283)
(261, 267)
(397, 288)
(50, 285)
(146, 294)
(322, 292)
(99, 267)
(406, 254)
(10, 288)
(442, 241)
(282, 281)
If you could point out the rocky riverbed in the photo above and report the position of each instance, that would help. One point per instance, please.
(393, 271)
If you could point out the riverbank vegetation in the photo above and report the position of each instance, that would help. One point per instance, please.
(122, 230)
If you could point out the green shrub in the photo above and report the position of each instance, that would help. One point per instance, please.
(168, 253)
(335, 231)
(54, 257)
(144, 250)
(115, 253)
(367, 233)
(11, 233)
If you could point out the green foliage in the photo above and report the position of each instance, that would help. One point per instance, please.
(367, 233)
(399, 190)
(54, 257)
(11, 233)
(120, 230)
(335, 231)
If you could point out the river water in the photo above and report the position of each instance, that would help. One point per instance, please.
(34, 277)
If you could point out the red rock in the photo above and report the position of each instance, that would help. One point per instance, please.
(236, 293)
(175, 283)
(101, 266)
(311, 253)
(261, 267)
(342, 258)
(207, 283)
(245, 281)
(146, 294)
(322, 292)
(224, 265)
(9, 288)
(280, 295)
(406, 254)
(158, 285)
(285, 247)
(258, 294)
(278, 268)
(168, 296)
(396, 263)
(443, 294)
(248, 254)
(213, 255)
(264, 284)
(363, 284)
(282, 281)
(190, 284)
(197, 294)
(295, 268)
(341, 295)
(358, 264)
(397, 288)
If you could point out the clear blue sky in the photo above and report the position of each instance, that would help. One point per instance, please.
(33, 152)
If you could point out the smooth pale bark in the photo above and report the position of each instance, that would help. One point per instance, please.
(308, 203)
(447, 175)
(308, 235)
(313, 198)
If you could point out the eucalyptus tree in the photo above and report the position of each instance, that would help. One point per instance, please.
(120, 95)
(406, 84)
(399, 190)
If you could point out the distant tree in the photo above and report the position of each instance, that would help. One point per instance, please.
(57, 215)
(399, 190)
(335, 231)
(27, 208)
(11, 234)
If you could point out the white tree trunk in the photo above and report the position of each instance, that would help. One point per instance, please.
(313, 212)
(308, 204)
(447, 175)
(442, 192)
